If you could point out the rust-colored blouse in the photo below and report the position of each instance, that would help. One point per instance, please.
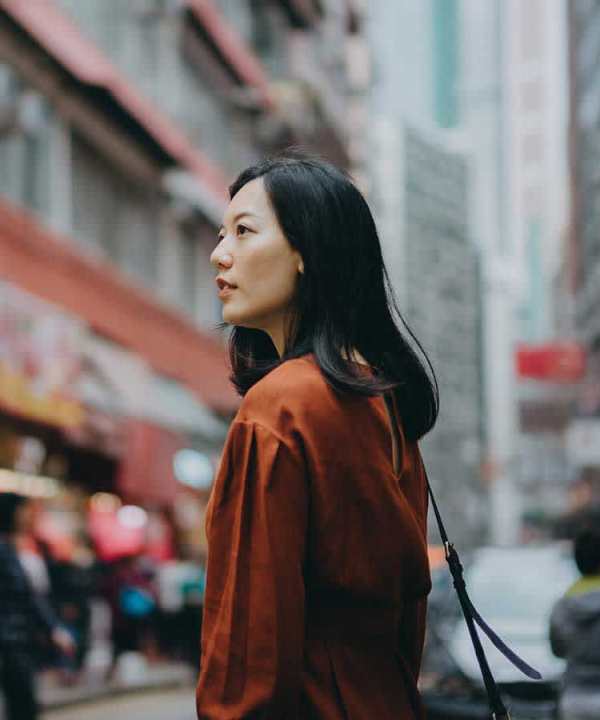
(317, 563)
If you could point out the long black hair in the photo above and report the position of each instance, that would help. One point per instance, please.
(344, 299)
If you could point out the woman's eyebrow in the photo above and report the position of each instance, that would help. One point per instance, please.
(238, 216)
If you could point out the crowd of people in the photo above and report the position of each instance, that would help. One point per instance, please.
(78, 616)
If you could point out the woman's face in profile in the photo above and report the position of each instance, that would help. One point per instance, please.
(257, 267)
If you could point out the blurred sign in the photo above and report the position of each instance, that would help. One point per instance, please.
(583, 442)
(39, 358)
(193, 468)
(554, 362)
(117, 531)
(28, 485)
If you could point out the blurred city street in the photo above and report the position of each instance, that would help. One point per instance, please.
(162, 705)
(472, 127)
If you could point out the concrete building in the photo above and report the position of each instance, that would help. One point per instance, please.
(581, 276)
(420, 190)
(485, 81)
(513, 126)
(121, 125)
(510, 103)
(536, 99)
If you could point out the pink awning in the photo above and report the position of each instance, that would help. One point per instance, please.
(63, 40)
(240, 58)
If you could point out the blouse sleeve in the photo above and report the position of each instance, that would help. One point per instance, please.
(253, 624)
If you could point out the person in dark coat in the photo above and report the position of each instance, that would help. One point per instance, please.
(22, 613)
(575, 633)
(317, 572)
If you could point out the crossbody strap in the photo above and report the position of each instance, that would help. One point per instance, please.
(472, 617)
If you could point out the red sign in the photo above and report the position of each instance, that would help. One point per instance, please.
(553, 362)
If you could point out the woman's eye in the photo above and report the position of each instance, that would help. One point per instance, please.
(242, 229)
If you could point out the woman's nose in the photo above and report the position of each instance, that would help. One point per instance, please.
(225, 261)
(221, 259)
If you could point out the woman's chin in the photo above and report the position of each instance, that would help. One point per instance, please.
(231, 317)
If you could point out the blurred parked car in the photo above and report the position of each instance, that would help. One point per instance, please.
(514, 590)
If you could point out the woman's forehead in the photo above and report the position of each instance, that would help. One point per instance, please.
(250, 200)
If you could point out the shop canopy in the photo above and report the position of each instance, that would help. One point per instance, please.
(138, 392)
(50, 267)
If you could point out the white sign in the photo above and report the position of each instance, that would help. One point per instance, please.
(583, 442)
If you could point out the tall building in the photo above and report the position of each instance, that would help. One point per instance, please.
(513, 126)
(121, 125)
(536, 207)
(535, 78)
(420, 190)
(582, 252)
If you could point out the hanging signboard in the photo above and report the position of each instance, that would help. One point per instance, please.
(39, 359)
(553, 362)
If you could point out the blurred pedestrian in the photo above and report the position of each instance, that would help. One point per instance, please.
(317, 564)
(74, 581)
(133, 599)
(575, 633)
(22, 611)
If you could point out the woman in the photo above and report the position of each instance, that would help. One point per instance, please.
(317, 567)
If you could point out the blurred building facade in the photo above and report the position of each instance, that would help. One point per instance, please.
(535, 74)
(421, 193)
(121, 125)
(486, 81)
(480, 135)
(536, 102)
(580, 278)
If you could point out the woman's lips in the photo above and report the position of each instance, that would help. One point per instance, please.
(225, 291)
(225, 288)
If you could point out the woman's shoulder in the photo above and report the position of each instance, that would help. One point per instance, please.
(292, 382)
(293, 390)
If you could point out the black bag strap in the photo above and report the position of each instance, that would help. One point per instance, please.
(472, 617)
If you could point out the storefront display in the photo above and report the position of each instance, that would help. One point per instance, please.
(39, 359)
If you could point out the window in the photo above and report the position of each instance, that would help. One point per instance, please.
(189, 266)
(114, 215)
(446, 62)
(24, 142)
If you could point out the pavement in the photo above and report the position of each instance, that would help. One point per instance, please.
(154, 704)
(158, 676)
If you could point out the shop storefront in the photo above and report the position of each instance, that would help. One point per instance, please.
(86, 416)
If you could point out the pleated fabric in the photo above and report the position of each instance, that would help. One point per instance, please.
(317, 568)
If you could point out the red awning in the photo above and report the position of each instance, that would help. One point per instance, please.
(63, 40)
(146, 472)
(52, 267)
(244, 63)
